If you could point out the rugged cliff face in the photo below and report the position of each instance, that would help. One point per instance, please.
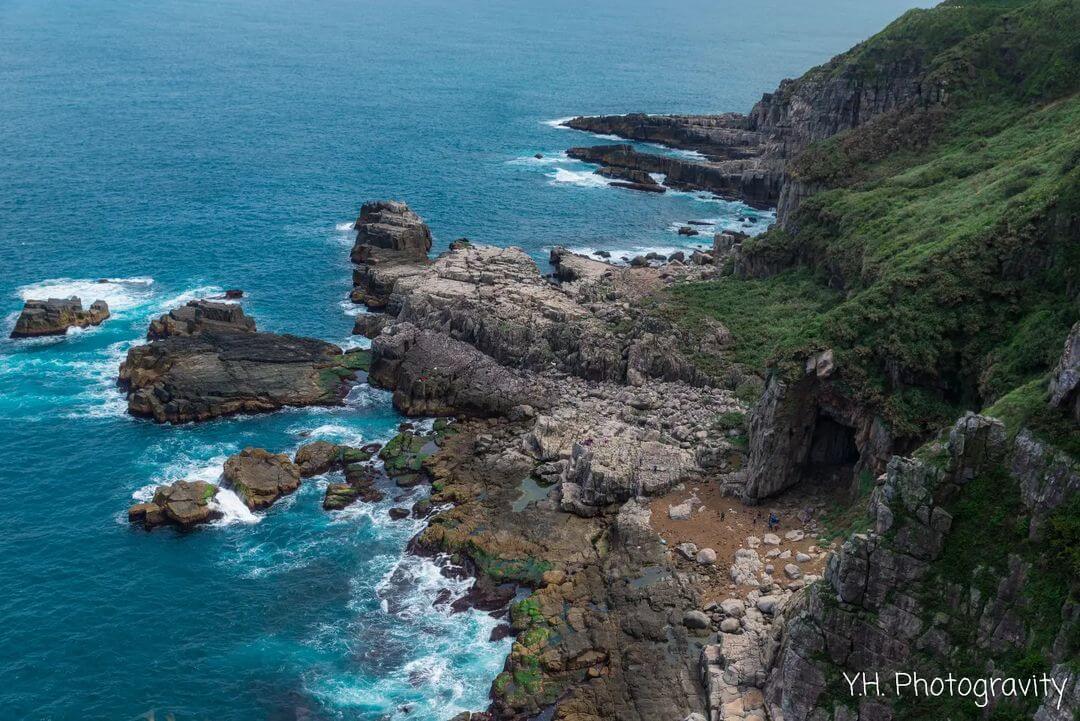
(965, 571)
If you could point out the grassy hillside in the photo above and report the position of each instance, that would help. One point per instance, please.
(941, 259)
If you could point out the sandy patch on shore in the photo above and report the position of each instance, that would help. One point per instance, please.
(725, 525)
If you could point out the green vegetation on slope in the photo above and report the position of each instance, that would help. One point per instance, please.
(951, 231)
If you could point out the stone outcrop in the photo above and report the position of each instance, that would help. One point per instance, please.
(183, 504)
(633, 179)
(1065, 379)
(260, 478)
(214, 373)
(885, 605)
(198, 316)
(391, 241)
(804, 423)
(749, 156)
(55, 315)
(733, 179)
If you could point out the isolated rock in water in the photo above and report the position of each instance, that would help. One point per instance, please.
(315, 458)
(216, 373)
(200, 315)
(1065, 381)
(55, 315)
(183, 504)
(260, 478)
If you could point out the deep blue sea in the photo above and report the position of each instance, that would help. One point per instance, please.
(178, 147)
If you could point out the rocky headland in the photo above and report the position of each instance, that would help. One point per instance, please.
(55, 315)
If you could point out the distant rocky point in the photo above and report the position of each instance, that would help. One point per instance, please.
(55, 315)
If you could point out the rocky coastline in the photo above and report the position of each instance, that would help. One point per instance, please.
(673, 532)
(557, 381)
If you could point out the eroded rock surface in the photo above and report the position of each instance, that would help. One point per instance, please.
(55, 315)
(183, 504)
(390, 241)
(260, 478)
(218, 372)
(198, 316)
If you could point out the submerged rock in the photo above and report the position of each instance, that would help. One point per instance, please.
(260, 478)
(55, 315)
(183, 504)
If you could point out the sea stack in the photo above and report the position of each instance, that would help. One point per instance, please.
(55, 315)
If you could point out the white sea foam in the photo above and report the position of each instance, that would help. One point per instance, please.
(346, 227)
(232, 509)
(557, 123)
(350, 308)
(333, 432)
(100, 397)
(548, 159)
(582, 178)
(120, 293)
(204, 291)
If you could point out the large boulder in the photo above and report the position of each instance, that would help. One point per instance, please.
(183, 504)
(55, 315)
(433, 374)
(260, 478)
(215, 373)
(200, 315)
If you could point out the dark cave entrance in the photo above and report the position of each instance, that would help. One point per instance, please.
(833, 455)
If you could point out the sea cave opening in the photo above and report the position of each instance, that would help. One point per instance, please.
(832, 457)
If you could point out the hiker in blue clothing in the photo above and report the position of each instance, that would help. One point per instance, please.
(774, 521)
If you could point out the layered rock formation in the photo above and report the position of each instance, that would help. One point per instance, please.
(912, 594)
(55, 315)
(183, 504)
(198, 316)
(748, 156)
(731, 179)
(479, 332)
(260, 478)
(206, 360)
(391, 241)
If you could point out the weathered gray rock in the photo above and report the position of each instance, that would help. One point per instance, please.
(391, 242)
(215, 373)
(182, 504)
(55, 315)
(260, 478)
(1065, 380)
(198, 316)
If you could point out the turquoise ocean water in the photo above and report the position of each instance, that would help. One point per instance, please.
(180, 147)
